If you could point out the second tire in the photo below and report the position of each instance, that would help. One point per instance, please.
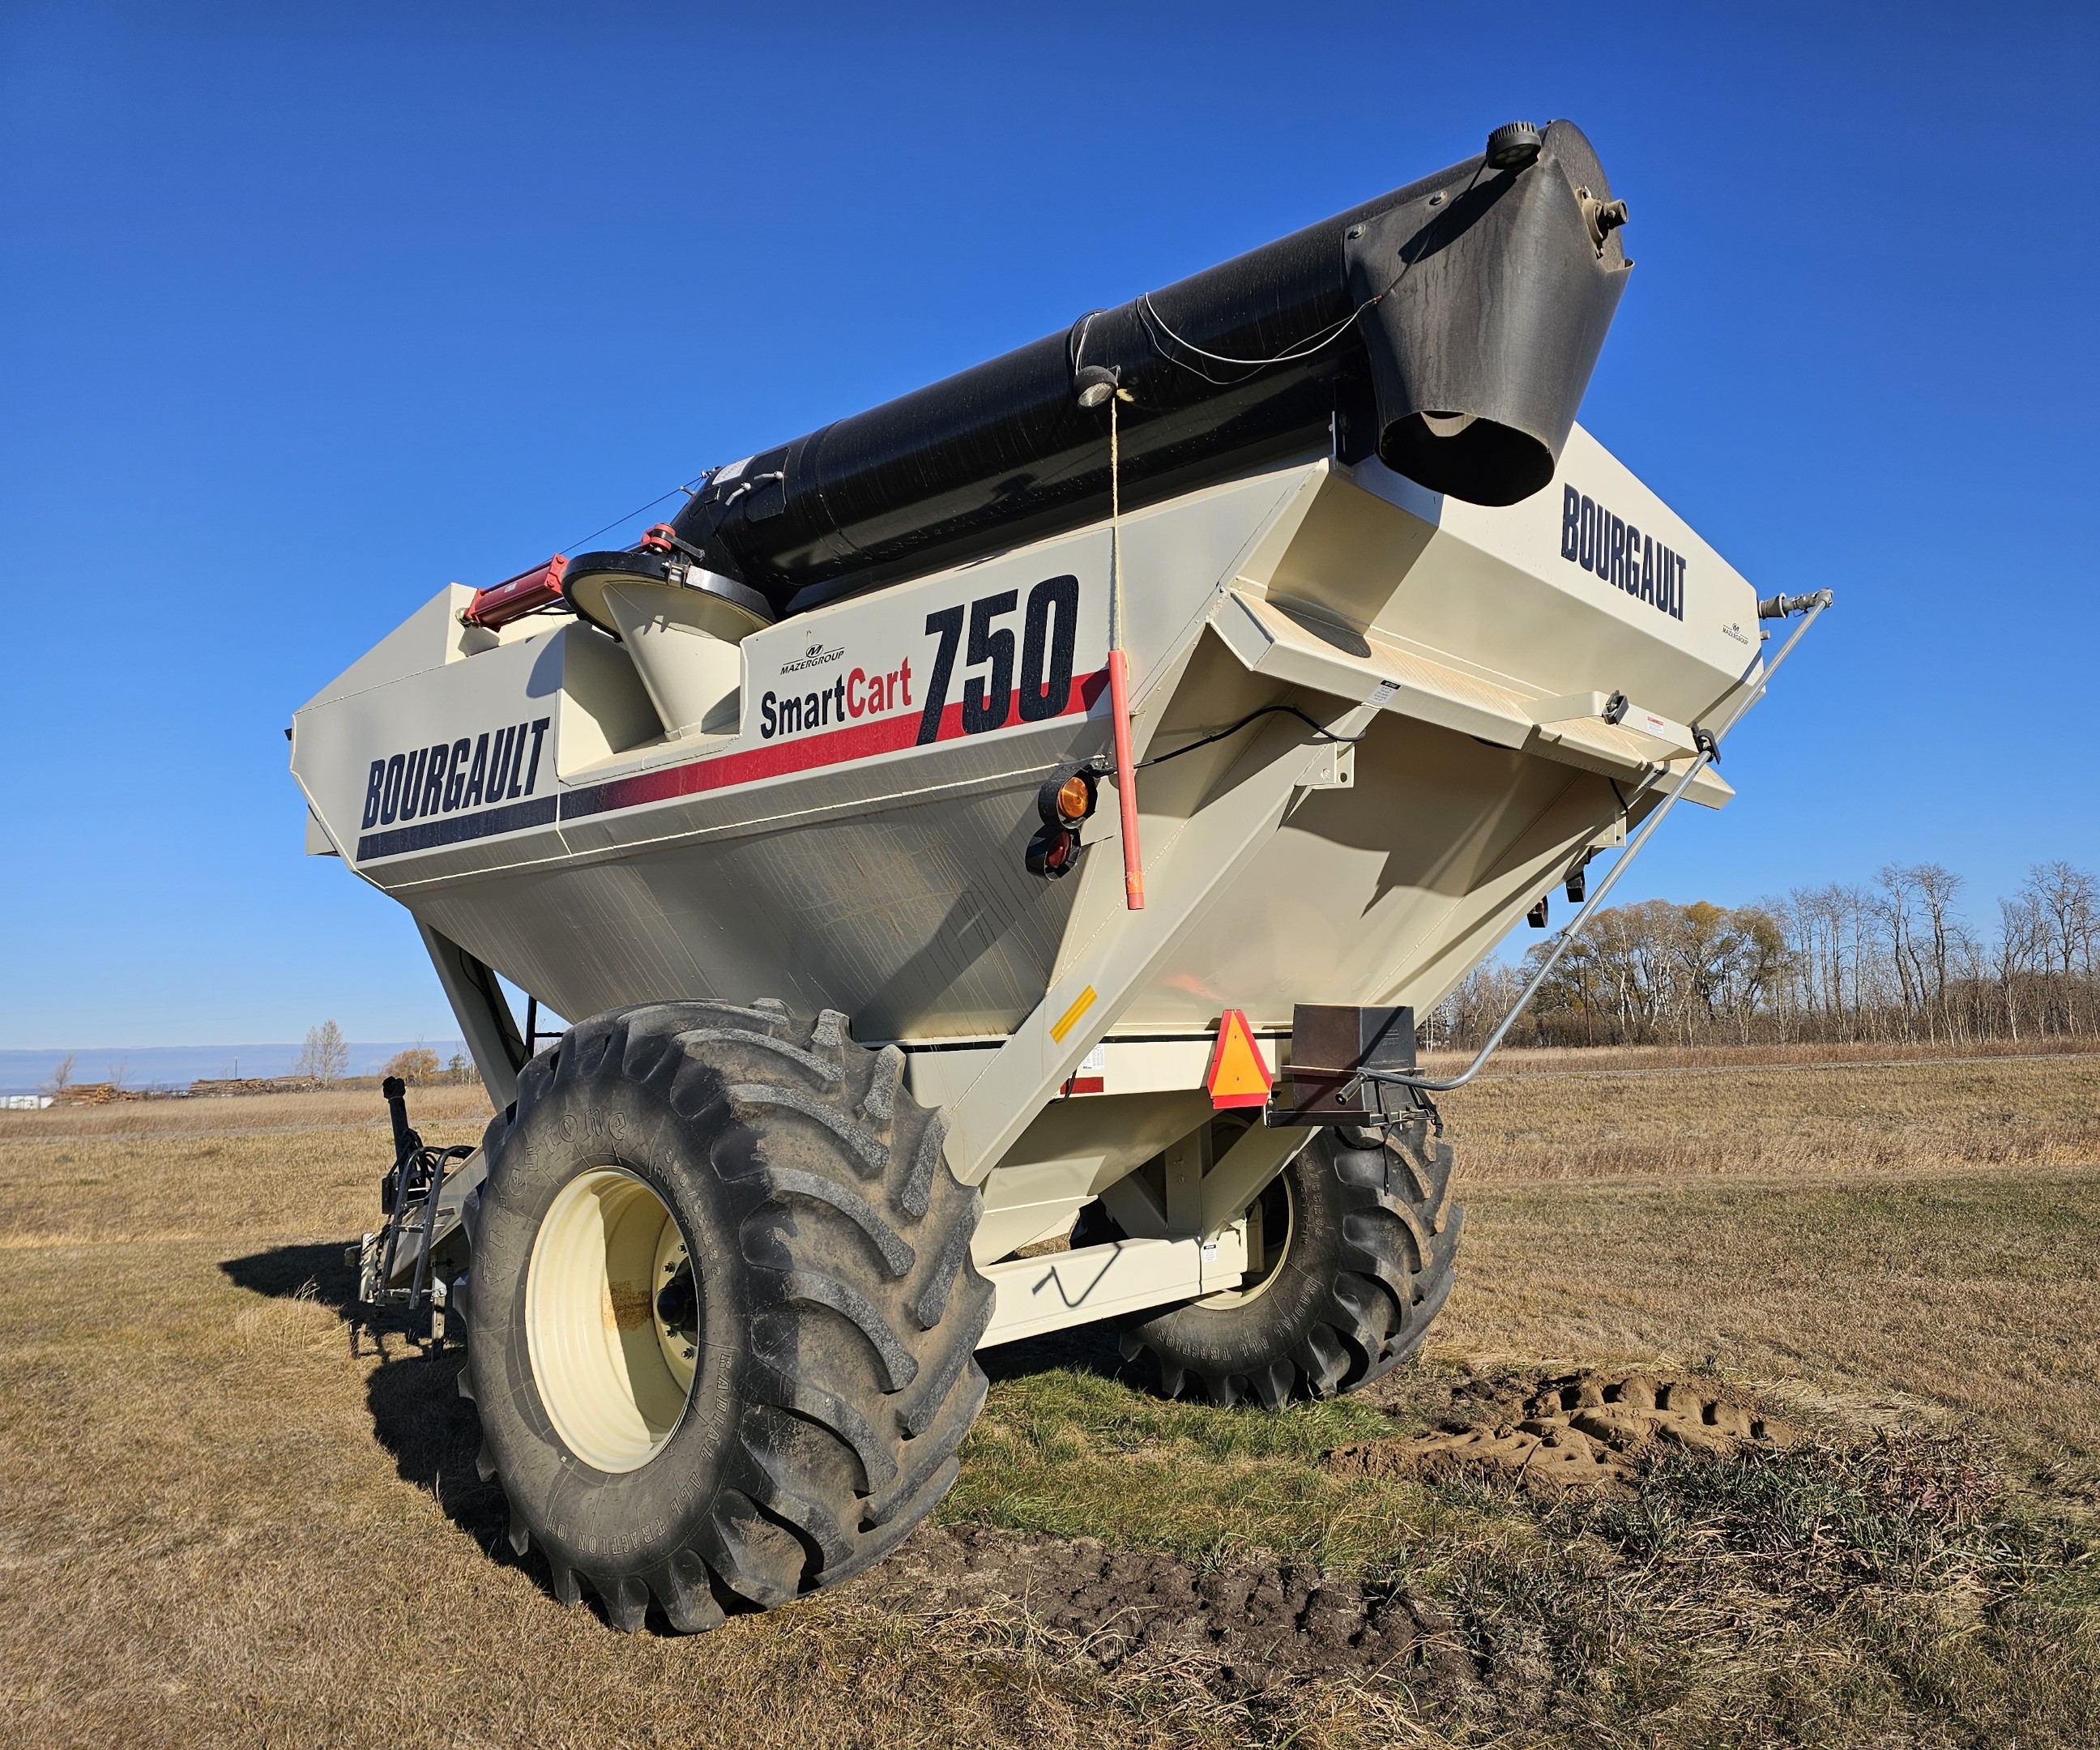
(1362, 1236)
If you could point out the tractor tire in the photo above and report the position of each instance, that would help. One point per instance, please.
(721, 1316)
(1371, 1239)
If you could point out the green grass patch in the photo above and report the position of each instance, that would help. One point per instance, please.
(1072, 1454)
(1898, 1586)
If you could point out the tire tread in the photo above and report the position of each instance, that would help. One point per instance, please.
(1390, 1270)
(865, 1308)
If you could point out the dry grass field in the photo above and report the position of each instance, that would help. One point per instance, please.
(220, 1527)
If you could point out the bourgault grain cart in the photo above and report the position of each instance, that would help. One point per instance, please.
(1037, 805)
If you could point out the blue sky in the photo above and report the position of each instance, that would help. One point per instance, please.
(309, 310)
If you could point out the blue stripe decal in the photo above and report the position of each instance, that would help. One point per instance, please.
(428, 835)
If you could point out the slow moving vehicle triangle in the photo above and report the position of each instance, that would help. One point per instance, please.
(1237, 1076)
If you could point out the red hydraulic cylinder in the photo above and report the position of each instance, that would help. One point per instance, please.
(514, 598)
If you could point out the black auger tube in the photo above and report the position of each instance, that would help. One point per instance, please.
(1450, 327)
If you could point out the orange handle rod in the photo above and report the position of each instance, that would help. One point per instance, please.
(1133, 864)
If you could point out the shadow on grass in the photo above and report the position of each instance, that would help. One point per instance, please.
(1083, 1349)
(413, 1394)
(433, 1433)
(284, 1272)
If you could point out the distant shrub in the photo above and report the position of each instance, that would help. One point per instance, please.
(417, 1066)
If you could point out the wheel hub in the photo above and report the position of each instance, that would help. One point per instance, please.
(612, 1309)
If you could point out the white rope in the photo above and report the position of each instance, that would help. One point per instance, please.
(1115, 528)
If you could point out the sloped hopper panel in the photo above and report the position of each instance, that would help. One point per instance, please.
(1489, 308)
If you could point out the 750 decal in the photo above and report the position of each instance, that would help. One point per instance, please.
(1050, 631)
(1018, 656)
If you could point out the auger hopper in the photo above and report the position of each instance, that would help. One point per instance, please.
(1029, 813)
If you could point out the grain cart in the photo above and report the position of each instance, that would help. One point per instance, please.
(1037, 807)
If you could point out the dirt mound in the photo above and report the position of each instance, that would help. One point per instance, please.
(1575, 1430)
(1241, 1630)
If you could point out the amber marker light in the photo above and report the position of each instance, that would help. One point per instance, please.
(1067, 801)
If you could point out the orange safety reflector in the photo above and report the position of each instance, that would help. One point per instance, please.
(1237, 1076)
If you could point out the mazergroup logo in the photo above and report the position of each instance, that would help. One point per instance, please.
(816, 656)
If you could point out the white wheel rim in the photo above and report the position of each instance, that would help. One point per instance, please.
(1277, 1247)
(613, 1375)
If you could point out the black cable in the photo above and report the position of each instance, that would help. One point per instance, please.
(631, 515)
(1154, 324)
(1320, 733)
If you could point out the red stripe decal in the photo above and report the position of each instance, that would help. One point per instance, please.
(856, 741)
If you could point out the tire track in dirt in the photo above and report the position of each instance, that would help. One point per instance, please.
(1240, 1630)
(1588, 1430)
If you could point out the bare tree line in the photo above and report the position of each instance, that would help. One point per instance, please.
(326, 1061)
(1891, 961)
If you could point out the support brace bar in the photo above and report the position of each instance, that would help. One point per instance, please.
(1034, 1295)
(1209, 849)
(483, 1013)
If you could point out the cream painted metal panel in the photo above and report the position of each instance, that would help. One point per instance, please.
(1073, 1150)
(1197, 857)
(826, 856)
(1034, 1295)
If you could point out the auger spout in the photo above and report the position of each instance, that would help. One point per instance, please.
(1449, 327)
